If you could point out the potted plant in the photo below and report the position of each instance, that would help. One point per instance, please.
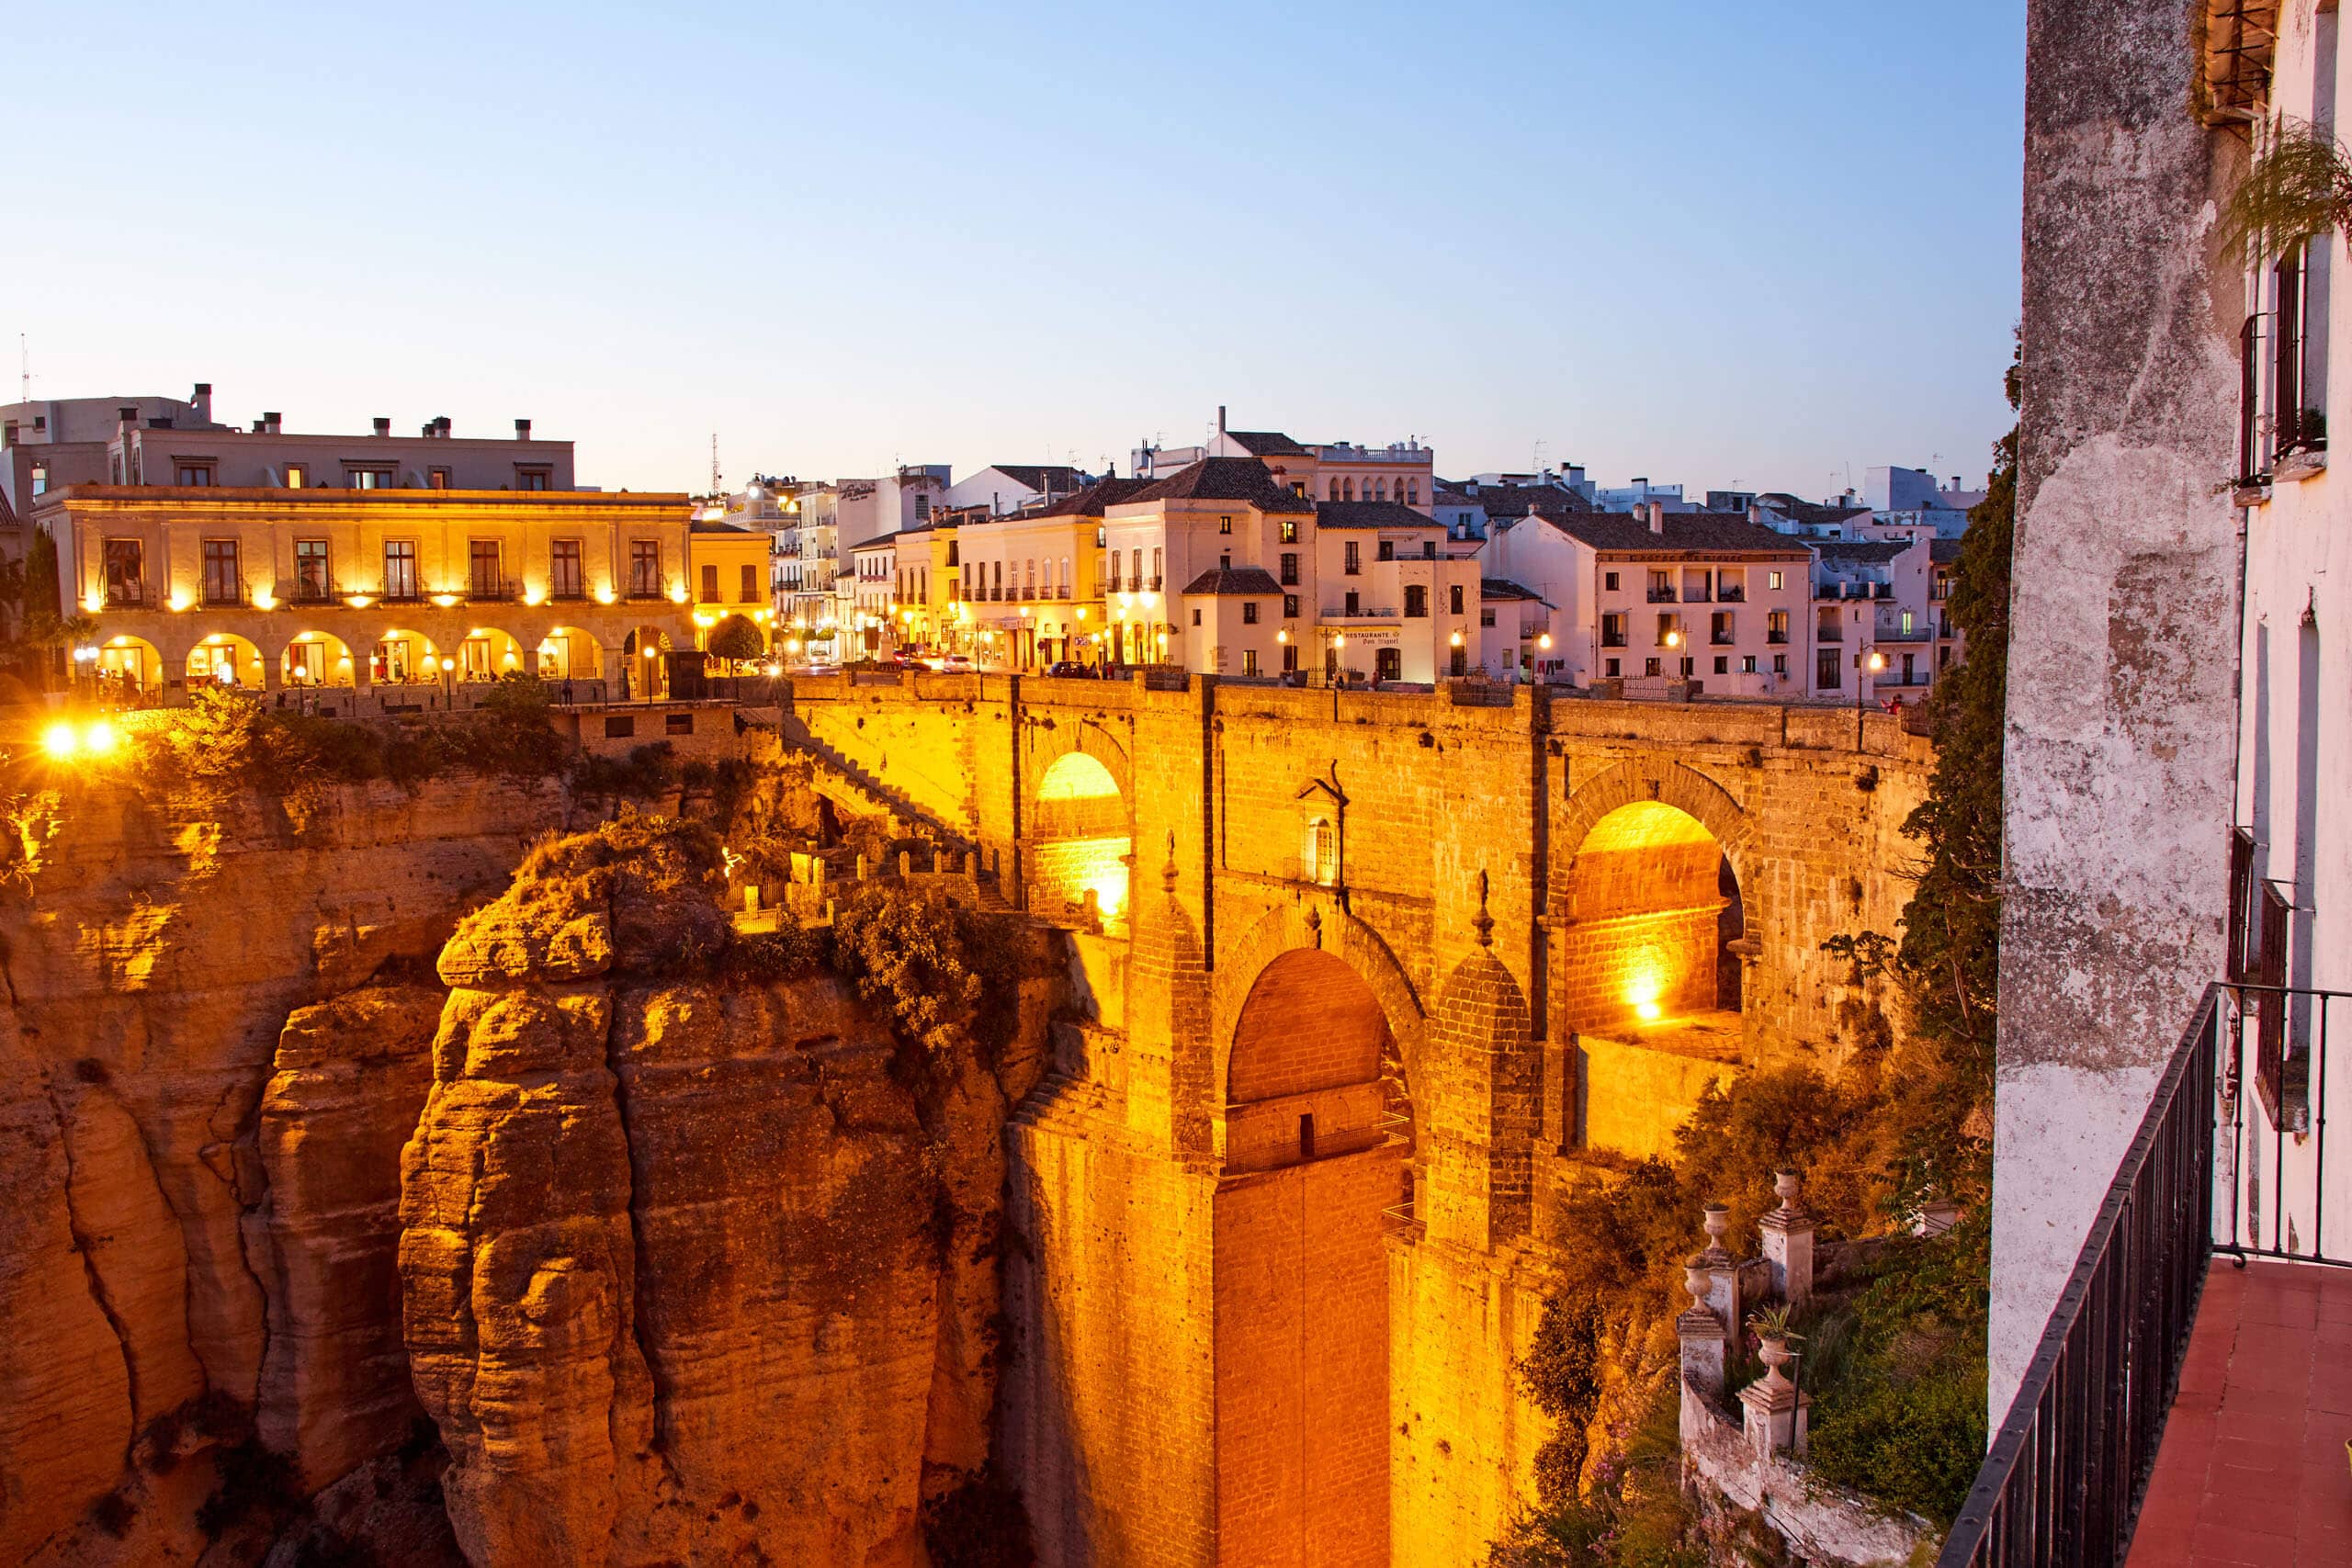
(1773, 1329)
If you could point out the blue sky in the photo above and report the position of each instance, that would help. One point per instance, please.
(1705, 242)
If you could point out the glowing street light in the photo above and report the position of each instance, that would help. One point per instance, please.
(60, 740)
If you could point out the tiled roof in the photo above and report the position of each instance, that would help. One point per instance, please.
(1860, 552)
(1370, 515)
(1220, 582)
(1265, 443)
(1041, 477)
(697, 526)
(1089, 502)
(1796, 511)
(1686, 532)
(1224, 478)
(1944, 552)
(1503, 588)
(1518, 501)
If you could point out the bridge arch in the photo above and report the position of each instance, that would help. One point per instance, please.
(1651, 901)
(1317, 925)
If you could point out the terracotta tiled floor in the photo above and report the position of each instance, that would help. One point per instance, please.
(2251, 1470)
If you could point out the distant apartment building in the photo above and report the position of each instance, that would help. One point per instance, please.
(1872, 597)
(1038, 586)
(1913, 497)
(265, 559)
(1660, 597)
(1640, 494)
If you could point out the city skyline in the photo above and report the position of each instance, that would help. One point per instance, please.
(845, 246)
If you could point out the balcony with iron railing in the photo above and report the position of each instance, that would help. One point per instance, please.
(123, 594)
(485, 589)
(2186, 1400)
(1662, 596)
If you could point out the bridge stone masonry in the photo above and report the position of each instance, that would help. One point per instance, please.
(1370, 973)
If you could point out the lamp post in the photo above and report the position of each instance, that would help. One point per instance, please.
(1872, 661)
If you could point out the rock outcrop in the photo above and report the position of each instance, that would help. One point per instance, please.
(693, 1270)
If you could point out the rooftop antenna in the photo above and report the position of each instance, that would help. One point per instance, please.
(1537, 457)
(714, 463)
(25, 381)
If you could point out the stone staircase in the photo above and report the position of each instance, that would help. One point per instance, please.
(856, 787)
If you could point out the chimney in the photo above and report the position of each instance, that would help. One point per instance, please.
(271, 424)
(201, 402)
(430, 429)
(522, 430)
(1657, 516)
(1220, 420)
(383, 427)
(1955, 481)
(442, 427)
(1755, 514)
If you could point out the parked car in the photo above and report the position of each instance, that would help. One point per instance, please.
(1072, 668)
(953, 664)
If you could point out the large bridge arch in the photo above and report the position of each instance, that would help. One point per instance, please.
(1316, 924)
(1078, 816)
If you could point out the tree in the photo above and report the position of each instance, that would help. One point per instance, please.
(735, 639)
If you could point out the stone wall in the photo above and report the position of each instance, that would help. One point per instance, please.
(2121, 672)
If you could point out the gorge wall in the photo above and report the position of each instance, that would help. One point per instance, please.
(357, 1189)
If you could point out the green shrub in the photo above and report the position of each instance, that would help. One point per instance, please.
(785, 953)
(646, 771)
(735, 639)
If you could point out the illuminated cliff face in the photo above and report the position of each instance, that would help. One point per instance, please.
(1081, 838)
(1646, 899)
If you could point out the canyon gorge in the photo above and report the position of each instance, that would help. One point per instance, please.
(384, 1189)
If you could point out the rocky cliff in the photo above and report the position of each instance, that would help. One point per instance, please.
(681, 1262)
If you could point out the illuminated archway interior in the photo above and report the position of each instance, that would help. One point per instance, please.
(567, 653)
(1653, 907)
(224, 659)
(128, 668)
(1081, 838)
(317, 659)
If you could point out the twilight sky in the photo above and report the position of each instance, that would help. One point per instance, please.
(1710, 241)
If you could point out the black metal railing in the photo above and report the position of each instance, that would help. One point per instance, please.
(2062, 1485)
(2272, 1124)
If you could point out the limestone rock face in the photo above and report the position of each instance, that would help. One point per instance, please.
(152, 965)
(686, 1275)
(350, 1082)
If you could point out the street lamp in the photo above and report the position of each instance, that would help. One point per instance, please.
(1873, 662)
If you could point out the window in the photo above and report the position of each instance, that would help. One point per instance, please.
(1290, 525)
(1248, 612)
(531, 478)
(400, 569)
(564, 578)
(126, 572)
(1290, 571)
(645, 568)
(1453, 598)
(1781, 665)
(1417, 601)
(1290, 606)
(1225, 525)
(1319, 856)
(1388, 550)
(1830, 670)
(1776, 581)
(1612, 629)
(1722, 664)
(485, 568)
(1249, 658)
(1461, 665)
(678, 723)
(1155, 569)
(1353, 606)
(1608, 580)
(1609, 666)
(1649, 667)
(1290, 658)
(1387, 663)
(1429, 549)
(709, 582)
(1668, 626)
(1661, 588)
(1353, 563)
(41, 479)
(1689, 667)
(437, 479)
(312, 581)
(1485, 616)
(1412, 493)
(222, 582)
(1776, 627)
(194, 471)
(1906, 623)
(1747, 664)
(1719, 630)
(748, 590)
(367, 476)
(922, 509)
(1196, 617)
(297, 476)
(620, 728)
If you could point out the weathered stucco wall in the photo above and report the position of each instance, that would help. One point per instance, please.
(2122, 677)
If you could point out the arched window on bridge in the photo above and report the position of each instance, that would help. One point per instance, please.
(1319, 855)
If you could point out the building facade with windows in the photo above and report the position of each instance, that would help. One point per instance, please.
(1875, 596)
(266, 587)
(1035, 583)
(1663, 597)
(1337, 470)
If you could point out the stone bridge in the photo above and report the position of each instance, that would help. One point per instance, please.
(1372, 970)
